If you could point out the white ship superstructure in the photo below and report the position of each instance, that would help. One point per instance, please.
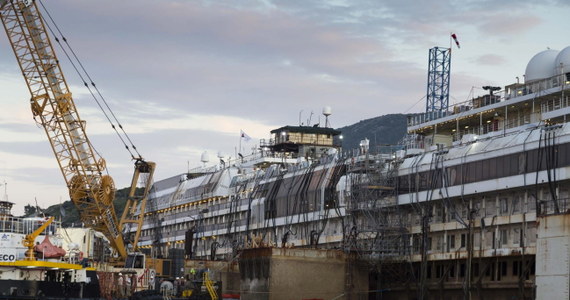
(473, 206)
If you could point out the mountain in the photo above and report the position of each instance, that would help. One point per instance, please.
(70, 216)
(382, 130)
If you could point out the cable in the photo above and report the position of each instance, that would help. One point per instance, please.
(91, 82)
(410, 108)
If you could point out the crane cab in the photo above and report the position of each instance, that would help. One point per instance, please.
(135, 261)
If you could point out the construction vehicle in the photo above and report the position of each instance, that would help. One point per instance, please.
(90, 188)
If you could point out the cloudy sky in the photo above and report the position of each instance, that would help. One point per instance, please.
(184, 77)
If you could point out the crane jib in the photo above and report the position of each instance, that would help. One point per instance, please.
(53, 108)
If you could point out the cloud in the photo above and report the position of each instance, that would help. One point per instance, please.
(185, 76)
(511, 24)
(490, 59)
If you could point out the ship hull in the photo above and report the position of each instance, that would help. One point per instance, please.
(57, 285)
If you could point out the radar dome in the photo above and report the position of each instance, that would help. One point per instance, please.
(563, 59)
(327, 111)
(541, 65)
(205, 157)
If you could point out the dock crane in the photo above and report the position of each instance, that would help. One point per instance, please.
(52, 105)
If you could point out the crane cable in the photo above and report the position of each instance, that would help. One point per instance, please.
(92, 84)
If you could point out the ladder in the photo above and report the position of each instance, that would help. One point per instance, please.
(210, 286)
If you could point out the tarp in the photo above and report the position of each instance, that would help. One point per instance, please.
(48, 250)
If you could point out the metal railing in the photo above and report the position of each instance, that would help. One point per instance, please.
(553, 207)
(512, 92)
(554, 104)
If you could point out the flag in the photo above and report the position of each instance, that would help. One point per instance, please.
(455, 39)
(244, 136)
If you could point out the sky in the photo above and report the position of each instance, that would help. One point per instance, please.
(184, 77)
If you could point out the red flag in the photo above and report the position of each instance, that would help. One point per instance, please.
(455, 39)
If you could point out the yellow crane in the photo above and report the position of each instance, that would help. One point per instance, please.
(29, 239)
(52, 105)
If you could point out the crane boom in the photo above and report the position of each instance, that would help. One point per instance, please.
(52, 105)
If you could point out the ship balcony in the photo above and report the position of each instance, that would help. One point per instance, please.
(553, 207)
(492, 126)
(514, 93)
(554, 108)
(465, 131)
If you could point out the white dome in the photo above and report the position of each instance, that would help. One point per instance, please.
(541, 65)
(563, 58)
(205, 157)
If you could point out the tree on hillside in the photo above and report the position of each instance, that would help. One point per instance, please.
(29, 210)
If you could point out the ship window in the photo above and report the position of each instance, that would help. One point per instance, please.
(489, 239)
(475, 172)
(531, 204)
(504, 237)
(450, 242)
(492, 168)
(438, 271)
(485, 166)
(516, 267)
(504, 206)
(417, 243)
(507, 166)
(439, 213)
(463, 240)
(476, 208)
(490, 270)
(490, 208)
(462, 270)
(475, 269)
(516, 236)
(564, 160)
(522, 163)
(504, 268)
(476, 240)
(516, 207)
(452, 176)
(531, 235)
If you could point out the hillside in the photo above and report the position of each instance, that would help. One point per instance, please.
(382, 130)
(70, 215)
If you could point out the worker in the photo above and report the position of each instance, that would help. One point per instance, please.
(193, 273)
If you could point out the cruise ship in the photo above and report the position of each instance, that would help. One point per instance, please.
(472, 205)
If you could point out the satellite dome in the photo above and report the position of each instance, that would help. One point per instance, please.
(205, 157)
(563, 59)
(541, 65)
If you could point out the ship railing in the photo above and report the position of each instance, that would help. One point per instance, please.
(510, 92)
(9, 224)
(493, 126)
(553, 207)
(554, 104)
(518, 90)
